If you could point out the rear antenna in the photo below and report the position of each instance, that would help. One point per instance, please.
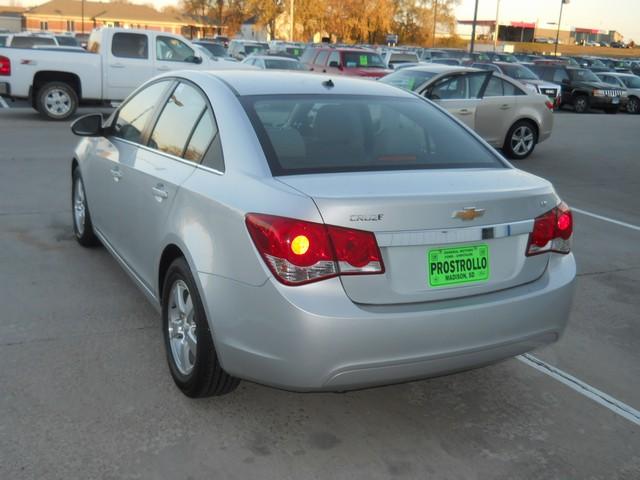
(328, 83)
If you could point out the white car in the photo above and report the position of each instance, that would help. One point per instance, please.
(631, 84)
(501, 110)
(119, 61)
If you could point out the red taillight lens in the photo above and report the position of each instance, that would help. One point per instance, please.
(549, 104)
(5, 66)
(299, 252)
(551, 232)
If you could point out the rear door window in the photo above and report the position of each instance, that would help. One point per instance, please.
(177, 121)
(130, 45)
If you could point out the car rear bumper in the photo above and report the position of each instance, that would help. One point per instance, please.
(313, 337)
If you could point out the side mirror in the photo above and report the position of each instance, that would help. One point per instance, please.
(194, 59)
(88, 125)
(334, 64)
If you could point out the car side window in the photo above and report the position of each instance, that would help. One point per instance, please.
(450, 88)
(321, 59)
(204, 145)
(176, 123)
(559, 75)
(130, 45)
(510, 89)
(494, 88)
(133, 116)
(334, 57)
(172, 50)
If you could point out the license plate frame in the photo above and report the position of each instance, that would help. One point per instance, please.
(456, 260)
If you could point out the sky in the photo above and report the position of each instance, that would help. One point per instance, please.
(620, 15)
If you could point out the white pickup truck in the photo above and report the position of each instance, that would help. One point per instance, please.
(116, 62)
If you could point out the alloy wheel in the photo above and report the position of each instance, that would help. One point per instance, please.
(182, 328)
(633, 106)
(57, 102)
(522, 140)
(79, 207)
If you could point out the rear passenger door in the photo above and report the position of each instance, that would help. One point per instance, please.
(497, 110)
(177, 142)
(128, 64)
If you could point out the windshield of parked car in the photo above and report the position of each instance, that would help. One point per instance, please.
(583, 75)
(407, 79)
(283, 64)
(67, 41)
(249, 49)
(631, 81)
(519, 72)
(216, 49)
(403, 58)
(336, 133)
(362, 60)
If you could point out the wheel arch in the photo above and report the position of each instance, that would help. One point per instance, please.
(170, 253)
(45, 76)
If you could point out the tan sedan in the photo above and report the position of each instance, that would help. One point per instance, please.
(501, 110)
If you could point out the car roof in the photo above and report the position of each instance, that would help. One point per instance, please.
(265, 82)
(276, 57)
(441, 68)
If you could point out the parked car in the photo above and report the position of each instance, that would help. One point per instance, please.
(448, 61)
(630, 82)
(393, 58)
(581, 88)
(240, 49)
(293, 49)
(501, 111)
(3, 40)
(319, 233)
(273, 62)
(56, 82)
(29, 40)
(592, 63)
(345, 61)
(216, 49)
(67, 41)
(525, 76)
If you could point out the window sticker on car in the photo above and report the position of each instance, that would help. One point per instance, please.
(364, 60)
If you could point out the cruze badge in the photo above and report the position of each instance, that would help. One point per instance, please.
(468, 213)
(366, 218)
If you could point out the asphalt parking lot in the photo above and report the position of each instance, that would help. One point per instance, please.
(86, 393)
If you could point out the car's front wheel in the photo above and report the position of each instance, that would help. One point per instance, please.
(581, 104)
(191, 355)
(633, 106)
(521, 140)
(82, 226)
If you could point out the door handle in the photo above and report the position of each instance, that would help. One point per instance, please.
(505, 106)
(116, 174)
(117, 65)
(464, 111)
(163, 68)
(159, 192)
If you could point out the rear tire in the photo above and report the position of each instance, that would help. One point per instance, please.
(82, 226)
(193, 361)
(521, 140)
(581, 104)
(56, 101)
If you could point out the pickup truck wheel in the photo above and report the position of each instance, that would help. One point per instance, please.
(57, 101)
(521, 140)
(192, 358)
(581, 104)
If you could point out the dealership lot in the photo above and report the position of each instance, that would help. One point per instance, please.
(86, 392)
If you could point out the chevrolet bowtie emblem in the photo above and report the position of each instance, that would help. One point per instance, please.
(468, 213)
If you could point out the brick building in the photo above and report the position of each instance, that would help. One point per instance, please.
(59, 16)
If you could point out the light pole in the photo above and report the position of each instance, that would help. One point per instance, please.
(435, 17)
(473, 28)
(555, 50)
(82, 15)
(291, 12)
(495, 36)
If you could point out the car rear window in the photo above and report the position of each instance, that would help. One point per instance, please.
(335, 133)
(282, 64)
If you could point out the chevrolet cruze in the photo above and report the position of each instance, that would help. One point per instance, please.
(320, 233)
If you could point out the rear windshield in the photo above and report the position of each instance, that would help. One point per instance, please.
(407, 79)
(282, 64)
(582, 75)
(29, 42)
(67, 41)
(334, 133)
(519, 72)
(362, 60)
(253, 49)
(403, 58)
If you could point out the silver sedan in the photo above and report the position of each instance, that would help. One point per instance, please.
(318, 233)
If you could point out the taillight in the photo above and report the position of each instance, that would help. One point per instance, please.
(5, 66)
(549, 104)
(299, 252)
(551, 232)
